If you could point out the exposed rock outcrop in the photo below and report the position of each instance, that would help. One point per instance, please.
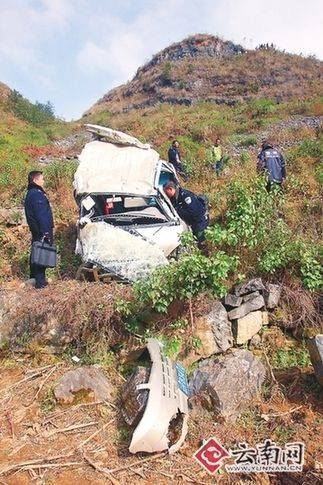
(226, 384)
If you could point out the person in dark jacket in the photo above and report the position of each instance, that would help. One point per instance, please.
(40, 220)
(174, 157)
(271, 161)
(191, 208)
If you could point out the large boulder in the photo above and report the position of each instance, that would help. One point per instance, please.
(272, 295)
(90, 379)
(246, 327)
(250, 286)
(247, 307)
(213, 329)
(315, 347)
(228, 383)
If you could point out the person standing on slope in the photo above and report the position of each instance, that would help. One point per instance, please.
(40, 220)
(271, 162)
(174, 157)
(217, 156)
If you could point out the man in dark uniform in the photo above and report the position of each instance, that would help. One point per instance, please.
(40, 220)
(271, 161)
(191, 208)
(174, 157)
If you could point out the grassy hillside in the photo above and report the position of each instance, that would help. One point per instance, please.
(21, 143)
(277, 236)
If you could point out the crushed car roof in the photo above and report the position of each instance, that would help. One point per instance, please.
(116, 167)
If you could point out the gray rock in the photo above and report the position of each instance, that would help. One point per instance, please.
(87, 378)
(315, 347)
(246, 327)
(250, 296)
(228, 383)
(272, 295)
(250, 286)
(232, 300)
(214, 331)
(247, 307)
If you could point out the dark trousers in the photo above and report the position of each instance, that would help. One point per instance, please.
(198, 230)
(38, 273)
(218, 166)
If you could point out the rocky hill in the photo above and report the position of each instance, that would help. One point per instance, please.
(207, 68)
(4, 91)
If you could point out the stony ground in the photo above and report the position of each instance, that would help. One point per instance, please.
(87, 442)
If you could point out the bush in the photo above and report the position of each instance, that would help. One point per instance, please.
(310, 148)
(261, 107)
(254, 223)
(60, 172)
(32, 113)
(166, 75)
(248, 141)
(186, 278)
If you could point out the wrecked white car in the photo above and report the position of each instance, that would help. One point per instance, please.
(127, 225)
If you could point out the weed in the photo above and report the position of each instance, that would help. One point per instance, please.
(48, 402)
(284, 433)
(284, 358)
(172, 346)
(181, 323)
(186, 278)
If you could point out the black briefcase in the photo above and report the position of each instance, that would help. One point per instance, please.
(43, 254)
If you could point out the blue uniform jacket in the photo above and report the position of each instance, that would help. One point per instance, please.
(272, 161)
(191, 208)
(38, 213)
(174, 158)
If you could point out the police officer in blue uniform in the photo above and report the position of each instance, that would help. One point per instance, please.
(40, 220)
(271, 161)
(174, 157)
(191, 208)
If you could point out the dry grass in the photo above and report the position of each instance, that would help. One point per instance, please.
(67, 311)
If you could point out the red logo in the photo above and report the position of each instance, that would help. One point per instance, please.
(210, 455)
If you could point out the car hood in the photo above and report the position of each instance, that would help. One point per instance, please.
(110, 168)
(123, 253)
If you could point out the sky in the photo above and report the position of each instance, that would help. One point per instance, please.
(71, 52)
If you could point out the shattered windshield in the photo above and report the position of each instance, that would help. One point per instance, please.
(122, 253)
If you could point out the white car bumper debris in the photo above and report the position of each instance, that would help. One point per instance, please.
(168, 395)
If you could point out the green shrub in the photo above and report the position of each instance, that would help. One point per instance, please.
(283, 358)
(261, 107)
(60, 172)
(166, 75)
(310, 148)
(248, 141)
(185, 278)
(254, 221)
(244, 158)
(311, 268)
(35, 113)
